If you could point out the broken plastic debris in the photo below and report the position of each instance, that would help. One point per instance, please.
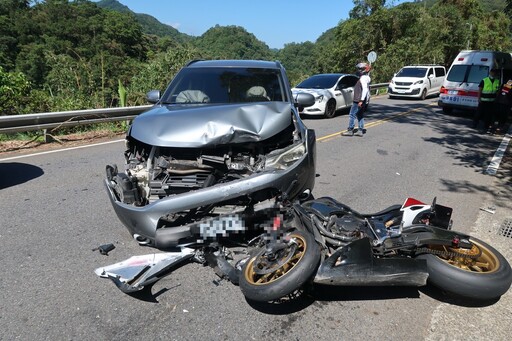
(489, 209)
(105, 248)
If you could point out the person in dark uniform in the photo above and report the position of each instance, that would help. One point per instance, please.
(503, 106)
(488, 88)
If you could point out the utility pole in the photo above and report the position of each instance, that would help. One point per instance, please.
(469, 36)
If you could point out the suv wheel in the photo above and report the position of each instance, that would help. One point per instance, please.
(423, 94)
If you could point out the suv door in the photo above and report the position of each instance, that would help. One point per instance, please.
(431, 80)
(440, 76)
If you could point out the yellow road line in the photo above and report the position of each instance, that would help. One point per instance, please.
(374, 123)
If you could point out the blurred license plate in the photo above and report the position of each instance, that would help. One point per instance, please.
(452, 92)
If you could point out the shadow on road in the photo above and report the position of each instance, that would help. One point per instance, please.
(322, 294)
(15, 173)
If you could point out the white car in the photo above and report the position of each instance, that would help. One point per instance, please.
(417, 81)
(332, 91)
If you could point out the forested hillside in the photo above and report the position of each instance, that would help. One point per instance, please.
(65, 55)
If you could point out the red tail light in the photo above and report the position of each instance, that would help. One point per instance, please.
(468, 93)
(458, 92)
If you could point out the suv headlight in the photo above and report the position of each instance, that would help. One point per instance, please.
(286, 158)
(418, 82)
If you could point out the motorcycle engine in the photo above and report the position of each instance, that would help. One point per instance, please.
(346, 225)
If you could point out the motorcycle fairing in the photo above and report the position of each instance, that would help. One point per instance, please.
(134, 273)
(412, 213)
(355, 265)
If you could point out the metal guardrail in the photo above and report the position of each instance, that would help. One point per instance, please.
(379, 86)
(50, 120)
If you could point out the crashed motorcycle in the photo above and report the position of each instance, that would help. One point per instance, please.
(288, 245)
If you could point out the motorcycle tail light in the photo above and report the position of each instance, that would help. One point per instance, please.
(456, 241)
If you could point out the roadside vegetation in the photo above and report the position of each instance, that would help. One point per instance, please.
(60, 55)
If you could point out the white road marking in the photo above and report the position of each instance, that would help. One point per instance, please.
(498, 155)
(59, 150)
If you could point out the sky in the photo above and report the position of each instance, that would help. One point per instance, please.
(274, 22)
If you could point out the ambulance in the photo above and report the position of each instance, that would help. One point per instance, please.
(460, 87)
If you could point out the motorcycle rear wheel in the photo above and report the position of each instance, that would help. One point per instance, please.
(264, 279)
(486, 277)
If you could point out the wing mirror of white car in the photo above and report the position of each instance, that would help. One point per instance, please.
(153, 96)
(431, 76)
(304, 99)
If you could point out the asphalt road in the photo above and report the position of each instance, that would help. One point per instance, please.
(55, 210)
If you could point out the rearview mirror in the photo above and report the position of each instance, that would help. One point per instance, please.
(304, 99)
(153, 96)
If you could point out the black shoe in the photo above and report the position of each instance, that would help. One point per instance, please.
(349, 132)
(364, 131)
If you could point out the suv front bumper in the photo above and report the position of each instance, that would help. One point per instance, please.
(143, 222)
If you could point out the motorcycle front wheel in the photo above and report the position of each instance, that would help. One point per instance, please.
(268, 277)
(480, 273)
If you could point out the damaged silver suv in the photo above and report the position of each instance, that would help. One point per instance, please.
(225, 137)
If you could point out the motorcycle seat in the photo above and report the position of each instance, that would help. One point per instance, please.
(383, 212)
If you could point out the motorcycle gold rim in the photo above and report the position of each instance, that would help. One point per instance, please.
(256, 279)
(478, 259)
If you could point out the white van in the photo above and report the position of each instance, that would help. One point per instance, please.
(417, 81)
(460, 88)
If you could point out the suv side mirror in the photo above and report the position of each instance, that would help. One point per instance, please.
(153, 96)
(431, 76)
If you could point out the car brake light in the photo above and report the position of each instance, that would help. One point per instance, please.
(460, 92)
(461, 59)
(467, 93)
(484, 59)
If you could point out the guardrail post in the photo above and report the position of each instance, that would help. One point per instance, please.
(46, 137)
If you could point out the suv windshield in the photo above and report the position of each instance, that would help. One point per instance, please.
(418, 72)
(224, 85)
(468, 73)
(319, 82)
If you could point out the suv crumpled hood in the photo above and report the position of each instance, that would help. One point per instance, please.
(195, 126)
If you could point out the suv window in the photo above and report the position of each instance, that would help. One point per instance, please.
(467, 73)
(440, 72)
(417, 72)
(430, 72)
(225, 85)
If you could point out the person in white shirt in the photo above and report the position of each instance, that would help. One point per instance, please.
(360, 101)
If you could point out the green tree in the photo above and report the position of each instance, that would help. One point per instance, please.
(10, 13)
(14, 89)
(413, 33)
(77, 51)
(364, 8)
(298, 68)
(232, 42)
(159, 72)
